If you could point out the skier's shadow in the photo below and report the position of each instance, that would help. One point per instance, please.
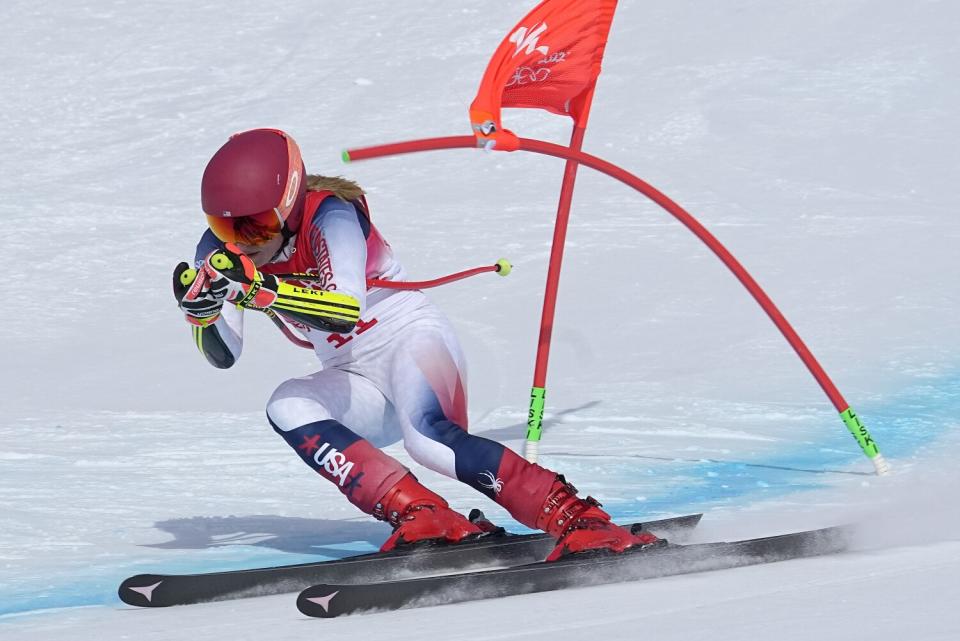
(519, 430)
(330, 538)
(327, 537)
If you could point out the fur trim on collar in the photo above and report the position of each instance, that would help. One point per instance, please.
(342, 188)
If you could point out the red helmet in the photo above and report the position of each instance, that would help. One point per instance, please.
(253, 186)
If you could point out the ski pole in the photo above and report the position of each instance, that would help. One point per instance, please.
(501, 267)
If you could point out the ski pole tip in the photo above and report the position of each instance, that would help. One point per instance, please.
(504, 267)
(345, 156)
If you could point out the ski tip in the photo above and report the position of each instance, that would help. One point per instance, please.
(669, 525)
(317, 601)
(140, 590)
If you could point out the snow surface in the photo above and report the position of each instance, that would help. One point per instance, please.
(817, 139)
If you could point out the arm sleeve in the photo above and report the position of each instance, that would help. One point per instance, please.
(339, 248)
(222, 342)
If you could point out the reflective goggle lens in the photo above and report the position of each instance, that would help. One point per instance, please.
(247, 230)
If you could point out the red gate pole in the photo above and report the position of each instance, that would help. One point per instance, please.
(849, 417)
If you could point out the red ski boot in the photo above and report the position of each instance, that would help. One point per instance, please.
(580, 525)
(417, 514)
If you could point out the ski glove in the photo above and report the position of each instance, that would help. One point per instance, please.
(234, 274)
(198, 301)
(234, 277)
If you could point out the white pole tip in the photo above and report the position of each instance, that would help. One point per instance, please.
(881, 465)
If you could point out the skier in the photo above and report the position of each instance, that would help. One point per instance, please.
(391, 365)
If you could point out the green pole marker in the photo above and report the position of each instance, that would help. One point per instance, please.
(345, 156)
(535, 422)
(867, 444)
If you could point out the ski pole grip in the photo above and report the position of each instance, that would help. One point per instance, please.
(188, 276)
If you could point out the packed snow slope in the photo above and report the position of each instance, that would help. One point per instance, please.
(817, 139)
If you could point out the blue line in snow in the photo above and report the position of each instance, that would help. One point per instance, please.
(907, 426)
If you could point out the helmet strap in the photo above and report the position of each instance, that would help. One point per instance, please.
(287, 237)
(292, 225)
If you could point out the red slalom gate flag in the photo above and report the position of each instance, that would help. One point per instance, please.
(550, 60)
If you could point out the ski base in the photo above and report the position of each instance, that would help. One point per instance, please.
(331, 600)
(161, 590)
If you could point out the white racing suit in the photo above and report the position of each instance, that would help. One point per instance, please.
(400, 374)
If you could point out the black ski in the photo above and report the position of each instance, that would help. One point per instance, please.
(159, 590)
(331, 600)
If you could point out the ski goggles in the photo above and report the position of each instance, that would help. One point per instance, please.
(257, 229)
